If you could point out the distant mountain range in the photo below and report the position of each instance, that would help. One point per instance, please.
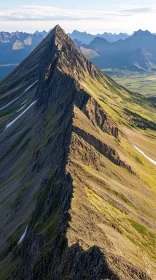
(22, 42)
(137, 52)
(107, 50)
(86, 38)
(15, 47)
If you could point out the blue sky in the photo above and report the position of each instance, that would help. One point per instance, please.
(92, 16)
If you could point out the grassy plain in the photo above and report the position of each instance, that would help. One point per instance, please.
(144, 82)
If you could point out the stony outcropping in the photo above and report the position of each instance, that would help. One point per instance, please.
(73, 168)
(98, 117)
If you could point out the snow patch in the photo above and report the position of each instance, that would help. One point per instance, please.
(24, 101)
(20, 108)
(18, 96)
(12, 122)
(150, 159)
(23, 236)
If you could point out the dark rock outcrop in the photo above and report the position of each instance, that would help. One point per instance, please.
(48, 251)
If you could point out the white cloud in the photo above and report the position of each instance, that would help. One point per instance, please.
(52, 13)
(123, 18)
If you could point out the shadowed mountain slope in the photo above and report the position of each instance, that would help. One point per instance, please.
(77, 197)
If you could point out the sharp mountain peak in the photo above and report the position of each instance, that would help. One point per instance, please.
(59, 37)
(62, 53)
(70, 172)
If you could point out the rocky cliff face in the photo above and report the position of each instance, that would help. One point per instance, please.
(75, 177)
(98, 117)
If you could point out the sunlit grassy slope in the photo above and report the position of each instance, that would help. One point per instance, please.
(121, 205)
(68, 136)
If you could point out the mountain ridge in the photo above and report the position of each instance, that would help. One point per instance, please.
(122, 54)
(86, 38)
(74, 151)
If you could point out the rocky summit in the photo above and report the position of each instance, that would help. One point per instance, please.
(77, 171)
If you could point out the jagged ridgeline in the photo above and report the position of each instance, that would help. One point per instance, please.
(77, 171)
